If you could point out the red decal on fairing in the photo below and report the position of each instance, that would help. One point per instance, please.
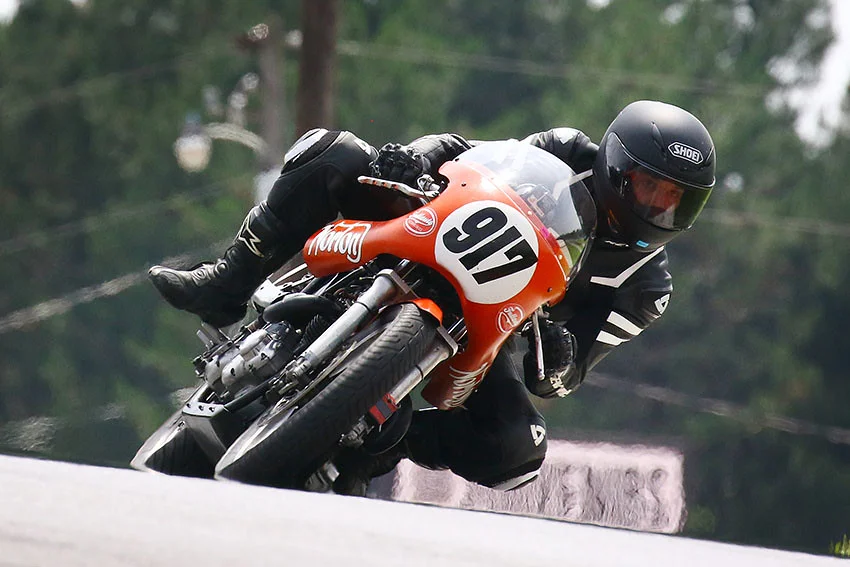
(421, 222)
(509, 317)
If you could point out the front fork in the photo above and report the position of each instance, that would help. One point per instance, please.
(388, 285)
(443, 348)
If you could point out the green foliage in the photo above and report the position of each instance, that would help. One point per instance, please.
(842, 548)
(92, 99)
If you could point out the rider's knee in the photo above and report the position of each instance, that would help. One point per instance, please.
(524, 450)
(514, 458)
(319, 167)
(340, 150)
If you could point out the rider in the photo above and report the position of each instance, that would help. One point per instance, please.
(651, 175)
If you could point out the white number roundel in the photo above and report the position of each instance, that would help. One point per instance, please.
(490, 248)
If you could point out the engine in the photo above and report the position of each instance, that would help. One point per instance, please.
(250, 360)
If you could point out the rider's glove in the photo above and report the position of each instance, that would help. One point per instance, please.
(559, 347)
(399, 163)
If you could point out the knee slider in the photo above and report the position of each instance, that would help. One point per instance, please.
(528, 449)
(518, 479)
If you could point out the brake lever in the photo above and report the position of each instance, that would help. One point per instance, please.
(428, 185)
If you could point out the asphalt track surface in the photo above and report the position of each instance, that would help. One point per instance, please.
(60, 514)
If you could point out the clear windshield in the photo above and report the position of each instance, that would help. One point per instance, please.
(548, 186)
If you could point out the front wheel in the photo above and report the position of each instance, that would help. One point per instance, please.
(285, 445)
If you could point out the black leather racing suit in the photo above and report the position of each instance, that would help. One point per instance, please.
(498, 438)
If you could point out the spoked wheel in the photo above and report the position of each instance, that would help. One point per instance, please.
(289, 442)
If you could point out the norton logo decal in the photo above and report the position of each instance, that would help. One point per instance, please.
(682, 151)
(421, 222)
(344, 238)
(490, 248)
(509, 317)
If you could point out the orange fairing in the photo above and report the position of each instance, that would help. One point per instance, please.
(500, 282)
(429, 307)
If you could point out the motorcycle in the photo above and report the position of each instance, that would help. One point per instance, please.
(378, 307)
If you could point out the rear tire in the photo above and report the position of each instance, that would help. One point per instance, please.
(283, 450)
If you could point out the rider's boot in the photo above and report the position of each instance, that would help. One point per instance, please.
(218, 292)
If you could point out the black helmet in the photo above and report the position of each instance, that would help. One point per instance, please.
(653, 173)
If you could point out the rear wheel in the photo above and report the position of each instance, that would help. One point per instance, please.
(287, 444)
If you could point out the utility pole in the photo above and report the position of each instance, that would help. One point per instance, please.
(270, 60)
(266, 42)
(314, 99)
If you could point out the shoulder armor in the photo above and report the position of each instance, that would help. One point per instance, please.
(568, 144)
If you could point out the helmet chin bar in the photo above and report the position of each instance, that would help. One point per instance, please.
(612, 223)
(614, 235)
(610, 230)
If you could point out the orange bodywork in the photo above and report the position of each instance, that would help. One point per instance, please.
(501, 281)
(428, 306)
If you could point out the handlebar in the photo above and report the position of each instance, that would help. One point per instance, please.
(427, 190)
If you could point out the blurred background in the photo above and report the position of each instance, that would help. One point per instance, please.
(745, 375)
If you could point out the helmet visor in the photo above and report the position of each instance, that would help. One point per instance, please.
(653, 196)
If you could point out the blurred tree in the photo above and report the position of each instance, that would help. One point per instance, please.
(317, 65)
(92, 102)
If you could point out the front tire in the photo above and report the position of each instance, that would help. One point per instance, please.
(283, 447)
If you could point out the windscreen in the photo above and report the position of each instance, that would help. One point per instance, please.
(548, 186)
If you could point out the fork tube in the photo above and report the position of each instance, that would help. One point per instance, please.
(382, 290)
(538, 345)
(440, 350)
